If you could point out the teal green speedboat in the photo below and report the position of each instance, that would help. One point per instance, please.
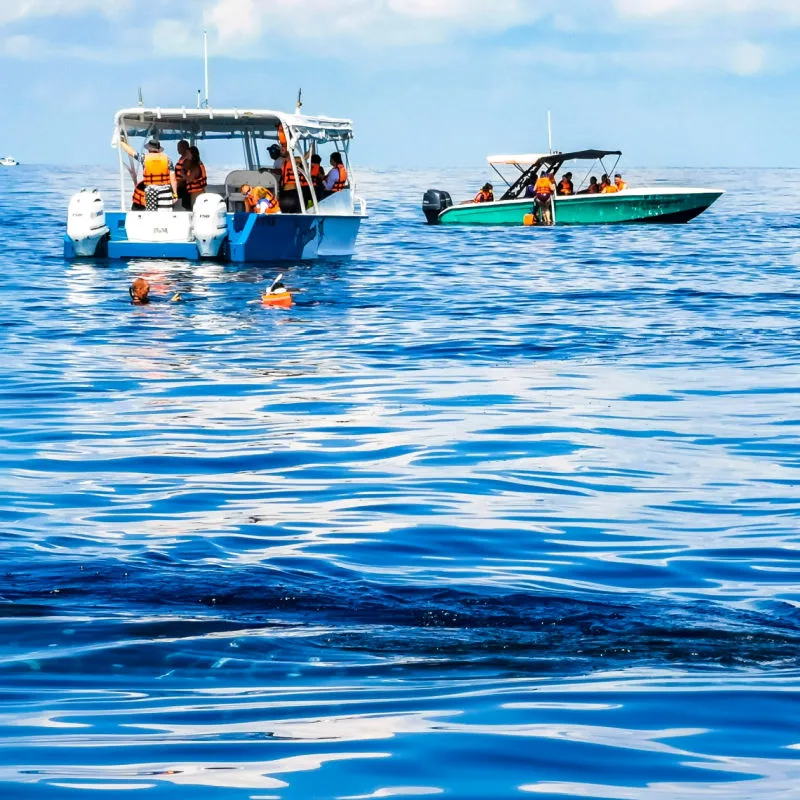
(515, 207)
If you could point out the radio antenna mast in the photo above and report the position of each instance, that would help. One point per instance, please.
(205, 63)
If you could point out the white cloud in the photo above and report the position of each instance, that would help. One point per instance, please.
(770, 13)
(747, 58)
(26, 9)
(366, 22)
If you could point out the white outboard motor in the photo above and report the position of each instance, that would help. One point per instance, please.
(86, 221)
(210, 224)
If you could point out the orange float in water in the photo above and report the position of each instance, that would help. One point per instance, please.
(280, 298)
(529, 219)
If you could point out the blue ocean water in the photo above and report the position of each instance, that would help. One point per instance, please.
(487, 514)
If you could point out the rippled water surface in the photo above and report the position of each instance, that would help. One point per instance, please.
(486, 514)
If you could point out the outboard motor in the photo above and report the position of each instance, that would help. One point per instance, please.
(433, 203)
(210, 224)
(86, 221)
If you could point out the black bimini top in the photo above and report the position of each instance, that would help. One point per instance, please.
(553, 161)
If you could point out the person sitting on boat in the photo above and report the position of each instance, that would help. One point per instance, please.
(565, 185)
(157, 168)
(592, 188)
(606, 187)
(619, 183)
(317, 172)
(544, 190)
(336, 179)
(485, 195)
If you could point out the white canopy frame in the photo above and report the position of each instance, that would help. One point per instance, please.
(303, 133)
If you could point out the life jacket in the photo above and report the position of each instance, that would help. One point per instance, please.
(484, 197)
(621, 185)
(281, 136)
(267, 204)
(156, 169)
(544, 186)
(342, 182)
(197, 185)
(594, 188)
(316, 173)
(179, 168)
(565, 187)
(610, 189)
(138, 195)
(287, 175)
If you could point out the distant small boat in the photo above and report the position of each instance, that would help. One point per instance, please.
(7, 161)
(660, 204)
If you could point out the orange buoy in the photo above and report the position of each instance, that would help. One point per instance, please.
(529, 219)
(280, 298)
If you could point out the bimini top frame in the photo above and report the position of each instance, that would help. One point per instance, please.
(248, 125)
(530, 164)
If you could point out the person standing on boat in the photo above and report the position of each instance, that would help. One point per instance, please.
(195, 177)
(544, 189)
(183, 195)
(485, 195)
(157, 168)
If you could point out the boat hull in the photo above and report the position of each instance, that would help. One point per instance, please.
(641, 206)
(250, 238)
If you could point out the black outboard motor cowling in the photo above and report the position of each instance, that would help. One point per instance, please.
(433, 203)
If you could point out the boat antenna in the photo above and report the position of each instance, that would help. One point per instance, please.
(205, 63)
(199, 99)
(141, 102)
(299, 100)
(549, 132)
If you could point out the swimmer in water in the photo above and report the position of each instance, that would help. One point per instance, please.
(139, 291)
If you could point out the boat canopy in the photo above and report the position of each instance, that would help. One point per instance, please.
(170, 124)
(522, 161)
(528, 165)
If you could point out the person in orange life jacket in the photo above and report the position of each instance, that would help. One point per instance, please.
(290, 174)
(606, 187)
(565, 186)
(485, 195)
(183, 195)
(336, 180)
(619, 183)
(317, 172)
(259, 200)
(157, 168)
(195, 178)
(543, 190)
(592, 188)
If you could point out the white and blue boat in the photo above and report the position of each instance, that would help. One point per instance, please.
(218, 227)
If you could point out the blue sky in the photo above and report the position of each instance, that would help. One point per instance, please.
(427, 82)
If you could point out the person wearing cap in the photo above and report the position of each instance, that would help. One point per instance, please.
(278, 156)
(157, 168)
(485, 195)
(619, 183)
